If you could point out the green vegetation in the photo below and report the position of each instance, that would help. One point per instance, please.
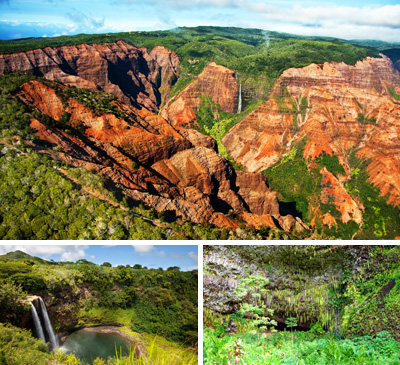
(298, 183)
(363, 120)
(97, 101)
(254, 287)
(153, 302)
(374, 295)
(14, 116)
(258, 56)
(291, 322)
(247, 51)
(380, 220)
(216, 123)
(393, 93)
(37, 201)
(306, 350)
(18, 347)
(294, 183)
(362, 305)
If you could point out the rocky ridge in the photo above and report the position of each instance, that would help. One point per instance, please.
(337, 109)
(216, 82)
(152, 162)
(134, 75)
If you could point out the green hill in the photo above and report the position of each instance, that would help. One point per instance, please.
(19, 255)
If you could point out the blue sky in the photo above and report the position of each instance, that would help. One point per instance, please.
(353, 19)
(151, 256)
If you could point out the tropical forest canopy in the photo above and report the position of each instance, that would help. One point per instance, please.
(147, 301)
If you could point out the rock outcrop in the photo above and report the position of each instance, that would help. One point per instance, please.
(324, 104)
(298, 277)
(135, 76)
(338, 108)
(216, 82)
(151, 161)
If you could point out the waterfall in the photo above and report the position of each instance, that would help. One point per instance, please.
(49, 327)
(239, 109)
(38, 326)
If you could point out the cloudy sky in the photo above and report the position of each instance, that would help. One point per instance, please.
(352, 19)
(183, 256)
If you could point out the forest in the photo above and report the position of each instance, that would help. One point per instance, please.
(159, 306)
(302, 305)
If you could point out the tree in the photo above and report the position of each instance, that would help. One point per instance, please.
(251, 289)
(291, 322)
(11, 304)
(174, 268)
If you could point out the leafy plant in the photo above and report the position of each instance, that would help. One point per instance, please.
(220, 330)
(291, 322)
(253, 287)
(237, 351)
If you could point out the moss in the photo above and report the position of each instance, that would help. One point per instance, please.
(375, 293)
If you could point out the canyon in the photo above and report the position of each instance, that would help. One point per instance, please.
(338, 110)
(151, 149)
(152, 162)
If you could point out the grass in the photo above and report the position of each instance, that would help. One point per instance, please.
(160, 352)
(307, 349)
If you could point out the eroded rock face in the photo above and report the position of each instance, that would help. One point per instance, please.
(135, 76)
(323, 104)
(215, 81)
(338, 108)
(152, 162)
(334, 191)
(288, 292)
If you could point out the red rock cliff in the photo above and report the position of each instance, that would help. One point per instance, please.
(151, 162)
(338, 108)
(215, 81)
(133, 75)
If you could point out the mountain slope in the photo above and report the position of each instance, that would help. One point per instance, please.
(345, 114)
(133, 75)
(324, 134)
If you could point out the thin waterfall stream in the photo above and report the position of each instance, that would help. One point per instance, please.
(49, 327)
(36, 320)
(239, 109)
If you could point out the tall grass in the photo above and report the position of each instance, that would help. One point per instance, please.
(159, 352)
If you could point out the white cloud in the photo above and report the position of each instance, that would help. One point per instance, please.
(387, 16)
(189, 268)
(143, 249)
(161, 253)
(193, 255)
(65, 252)
(73, 255)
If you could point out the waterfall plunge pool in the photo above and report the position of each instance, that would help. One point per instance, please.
(88, 344)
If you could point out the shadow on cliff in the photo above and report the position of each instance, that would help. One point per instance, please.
(286, 208)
